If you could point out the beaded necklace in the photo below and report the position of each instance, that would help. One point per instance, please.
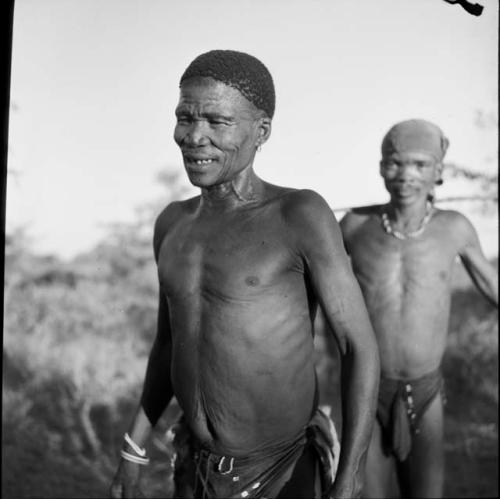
(386, 224)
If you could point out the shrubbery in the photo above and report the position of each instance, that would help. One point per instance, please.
(76, 341)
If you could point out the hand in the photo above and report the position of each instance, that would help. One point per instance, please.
(333, 494)
(126, 481)
(344, 491)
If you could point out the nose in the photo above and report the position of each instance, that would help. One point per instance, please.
(406, 172)
(196, 134)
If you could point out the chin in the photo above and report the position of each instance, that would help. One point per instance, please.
(198, 182)
(201, 180)
(406, 200)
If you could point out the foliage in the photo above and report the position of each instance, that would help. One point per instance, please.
(471, 360)
(487, 182)
(76, 341)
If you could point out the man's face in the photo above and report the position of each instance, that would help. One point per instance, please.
(410, 176)
(217, 131)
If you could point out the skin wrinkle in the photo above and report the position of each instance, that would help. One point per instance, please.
(250, 119)
(244, 376)
(407, 288)
(240, 195)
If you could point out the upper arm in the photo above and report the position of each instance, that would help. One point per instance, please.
(163, 335)
(481, 271)
(348, 223)
(162, 224)
(317, 233)
(320, 243)
(469, 247)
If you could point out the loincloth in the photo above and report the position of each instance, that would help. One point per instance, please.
(401, 404)
(202, 474)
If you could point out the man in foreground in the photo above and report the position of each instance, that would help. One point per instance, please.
(403, 254)
(242, 268)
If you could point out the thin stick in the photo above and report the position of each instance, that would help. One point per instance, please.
(442, 200)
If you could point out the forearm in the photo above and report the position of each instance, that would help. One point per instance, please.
(480, 269)
(156, 395)
(486, 281)
(133, 455)
(359, 379)
(489, 289)
(491, 292)
(157, 391)
(140, 428)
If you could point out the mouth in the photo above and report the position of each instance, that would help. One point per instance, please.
(198, 162)
(404, 189)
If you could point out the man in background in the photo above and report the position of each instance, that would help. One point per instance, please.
(242, 268)
(403, 254)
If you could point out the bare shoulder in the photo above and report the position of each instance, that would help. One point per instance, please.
(450, 216)
(458, 227)
(171, 214)
(304, 205)
(313, 229)
(355, 218)
(454, 220)
(311, 223)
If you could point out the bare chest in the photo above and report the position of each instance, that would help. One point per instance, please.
(226, 260)
(423, 262)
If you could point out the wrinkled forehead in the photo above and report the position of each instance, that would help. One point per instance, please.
(208, 93)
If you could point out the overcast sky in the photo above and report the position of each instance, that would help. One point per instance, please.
(95, 84)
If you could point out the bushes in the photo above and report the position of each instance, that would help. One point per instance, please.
(76, 341)
(470, 364)
(74, 350)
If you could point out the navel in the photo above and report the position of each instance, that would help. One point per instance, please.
(252, 280)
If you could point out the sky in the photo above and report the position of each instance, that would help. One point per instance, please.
(95, 84)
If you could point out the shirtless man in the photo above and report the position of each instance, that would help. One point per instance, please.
(242, 268)
(403, 254)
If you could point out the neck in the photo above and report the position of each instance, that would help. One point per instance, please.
(408, 217)
(243, 189)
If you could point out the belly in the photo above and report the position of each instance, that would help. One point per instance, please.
(411, 327)
(243, 371)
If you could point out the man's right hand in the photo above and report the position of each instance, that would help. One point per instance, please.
(126, 481)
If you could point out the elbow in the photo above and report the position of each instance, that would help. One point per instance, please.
(364, 355)
(495, 293)
(494, 298)
(491, 293)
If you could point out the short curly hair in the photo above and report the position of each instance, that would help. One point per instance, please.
(239, 70)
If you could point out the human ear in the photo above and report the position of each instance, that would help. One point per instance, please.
(445, 143)
(438, 173)
(263, 130)
(438, 178)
